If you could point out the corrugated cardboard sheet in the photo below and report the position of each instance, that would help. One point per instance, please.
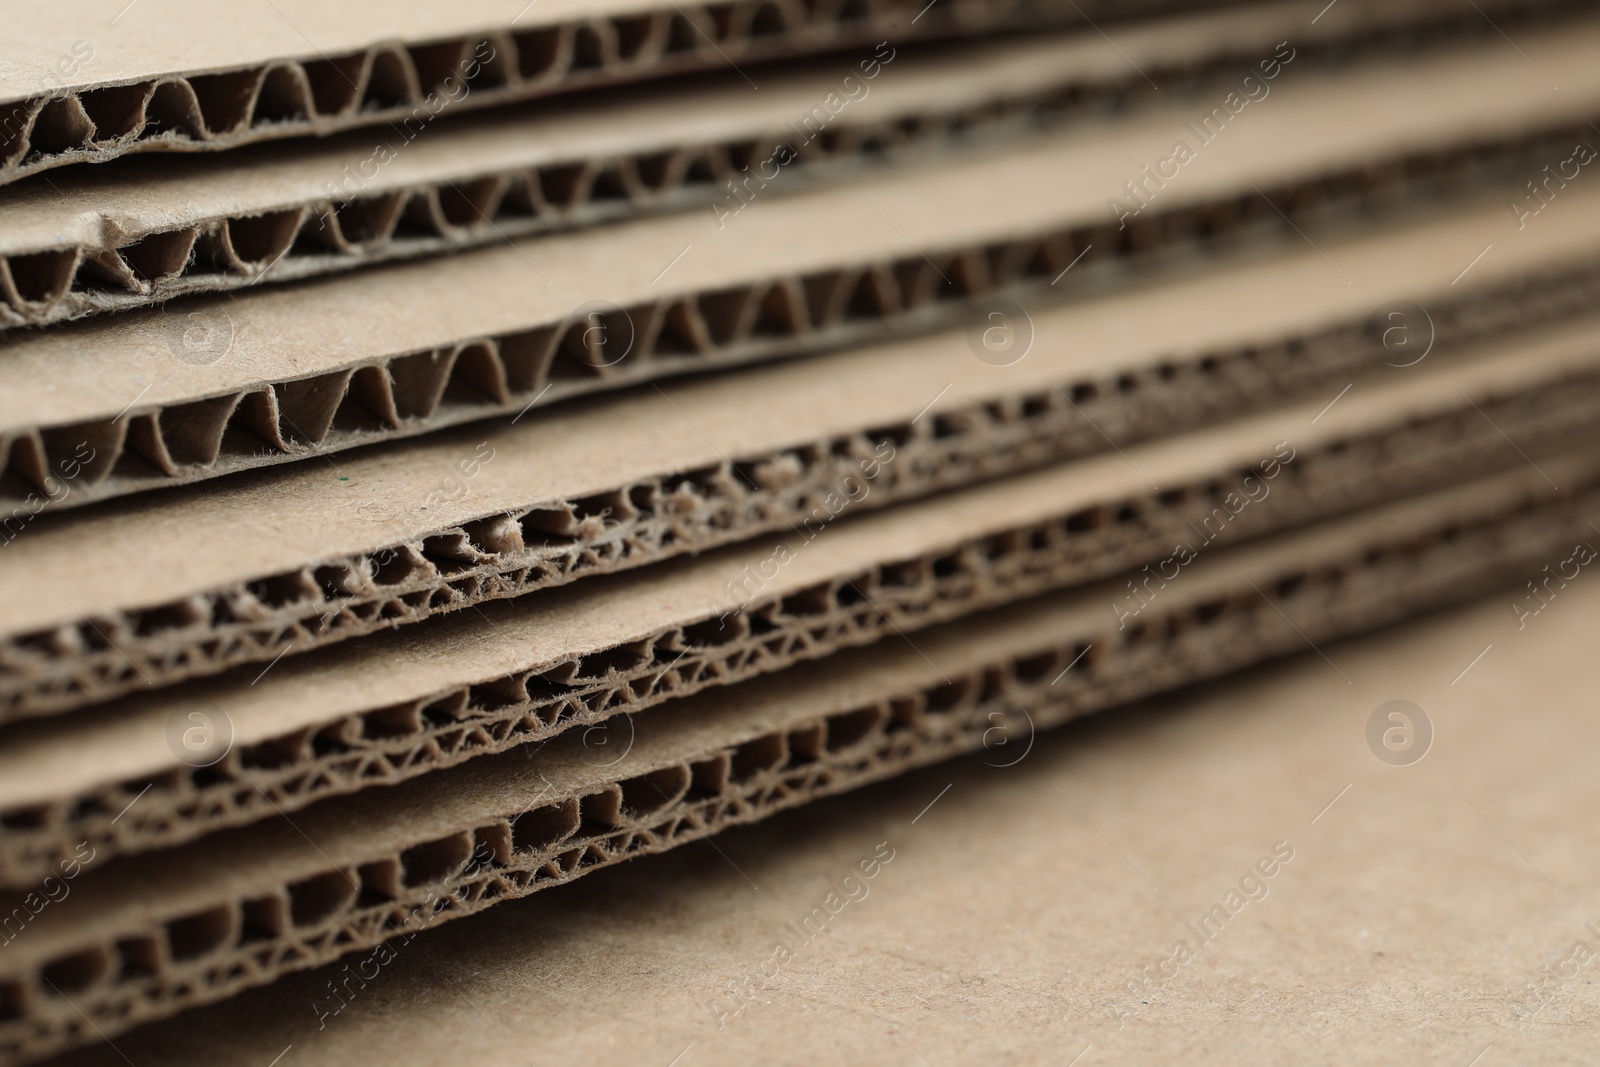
(221, 384)
(98, 239)
(1033, 911)
(395, 706)
(234, 911)
(94, 80)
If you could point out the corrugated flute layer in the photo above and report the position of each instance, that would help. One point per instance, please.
(312, 727)
(394, 81)
(117, 405)
(95, 241)
(238, 910)
(409, 535)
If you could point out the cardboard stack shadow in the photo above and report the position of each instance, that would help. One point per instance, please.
(466, 454)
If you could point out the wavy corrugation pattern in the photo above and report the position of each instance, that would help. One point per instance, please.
(768, 318)
(555, 542)
(322, 235)
(317, 95)
(158, 964)
(390, 744)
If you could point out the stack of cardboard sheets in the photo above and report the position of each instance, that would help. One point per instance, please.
(443, 455)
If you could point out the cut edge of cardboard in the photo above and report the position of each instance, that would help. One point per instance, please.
(408, 703)
(230, 913)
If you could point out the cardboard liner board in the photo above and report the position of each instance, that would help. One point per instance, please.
(1001, 878)
(104, 239)
(249, 75)
(288, 371)
(237, 910)
(618, 482)
(133, 775)
(393, 81)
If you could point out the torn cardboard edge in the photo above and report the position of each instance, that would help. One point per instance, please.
(290, 371)
(123, 778)
(240, 909)
(618, 482)
(87, 115)
(112, 239)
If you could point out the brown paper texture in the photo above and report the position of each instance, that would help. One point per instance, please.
(393, 706)
(296, 883)
(1015, 920)
(295, 210)
(394, 536)
(281, 372)
(180, 75)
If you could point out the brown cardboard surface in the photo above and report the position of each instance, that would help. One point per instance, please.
(274, 214)
(401, 704)
(1342, 576)
(178, 75)
(283, 371)
(1262, 301)
(1414, 923)
(618, 482)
